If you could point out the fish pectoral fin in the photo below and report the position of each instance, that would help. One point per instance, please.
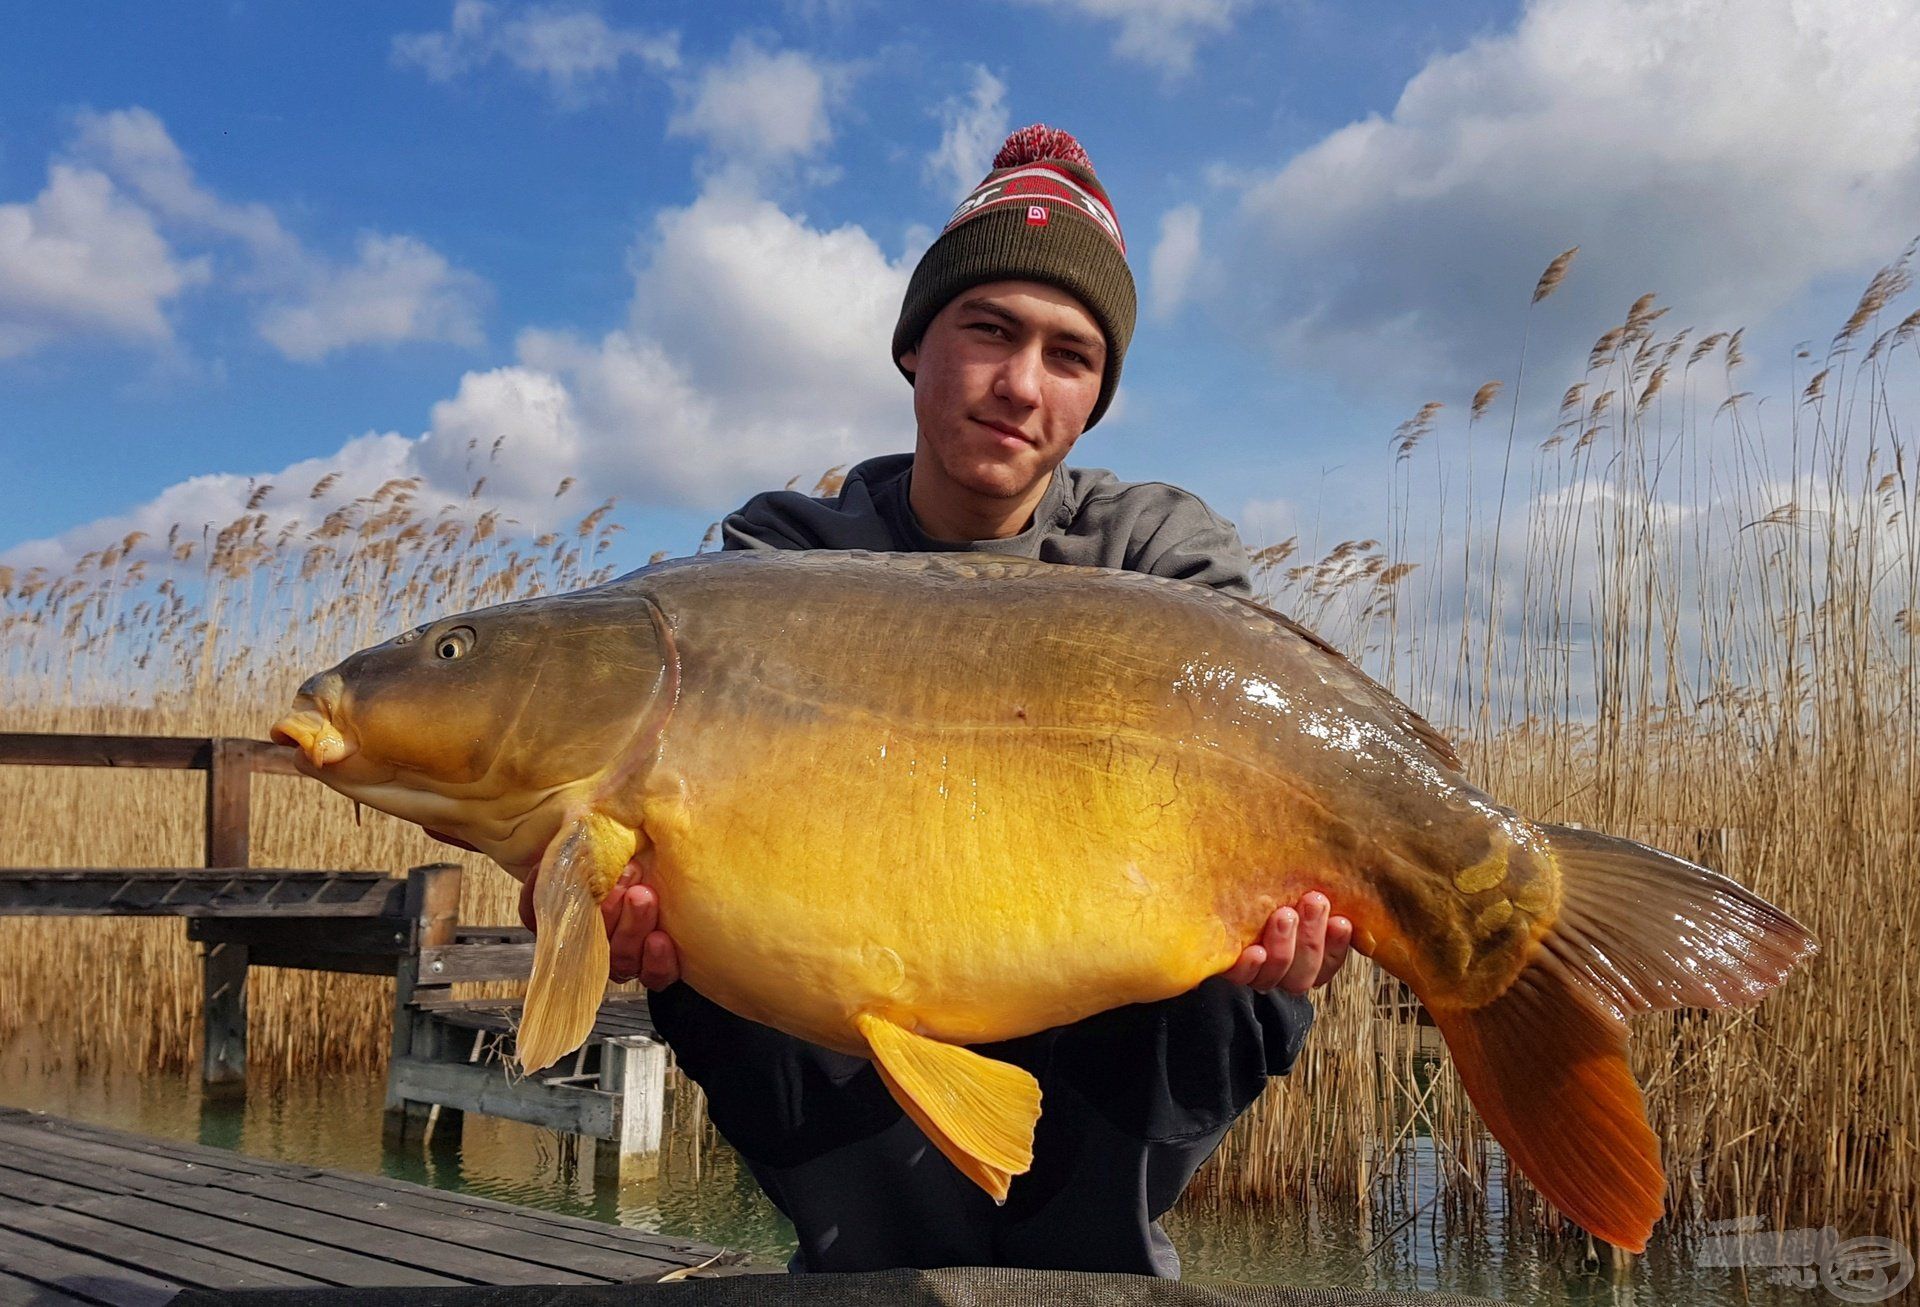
(570, 942)
(977, 1111)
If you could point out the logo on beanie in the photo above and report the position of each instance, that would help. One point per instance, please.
(1038, 187)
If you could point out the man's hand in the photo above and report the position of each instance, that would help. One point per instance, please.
(636, 946)
(1300, 949)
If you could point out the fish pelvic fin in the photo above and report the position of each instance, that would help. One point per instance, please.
(1636, 930)
(978, 1112)
(570, 944)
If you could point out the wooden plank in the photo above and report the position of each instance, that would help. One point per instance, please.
(25, 1293)
(508, 1241)
(389, 936)
(59, 1132)
(281, 892)
(26, 1188)
(229, 798)
(552, 1225)
(197, 1164)
(461, 1261)
(75, 1170)
(82, 1275)
(472, 1087)
(24, 1146)
(320, 1262)
(190, 1264)
(163, 752)
(493, 935)
(269, 759)
(168, 752)
(300, 959)
(457, 964)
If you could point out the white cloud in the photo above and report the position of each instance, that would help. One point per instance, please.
(396, 289)
(134, 147)
(762, 107)
(755, 352)
(1723, 156)
(214, 500)
(1264, 522)
(82, 259)
(574, 50)
(96, 253)
(1170, 270)
(1163, 34)
(972, 128)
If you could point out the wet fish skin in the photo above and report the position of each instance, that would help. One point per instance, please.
(889, 800)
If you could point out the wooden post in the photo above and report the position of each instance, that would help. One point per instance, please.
(635, 1071)
(433, 908)
(223, 1050)
(223, 966)
(229, 771)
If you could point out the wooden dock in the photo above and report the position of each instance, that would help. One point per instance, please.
(97, 1216)
(448, 1056)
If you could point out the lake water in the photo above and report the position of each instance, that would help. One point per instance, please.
(704, 1193)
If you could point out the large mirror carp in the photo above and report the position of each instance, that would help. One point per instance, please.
(897, 804)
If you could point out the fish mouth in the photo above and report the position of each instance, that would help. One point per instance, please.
(309, 729)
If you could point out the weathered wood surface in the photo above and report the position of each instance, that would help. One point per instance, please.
(621, 1016)
(97, 1216)
(199, 892)
(163, 752)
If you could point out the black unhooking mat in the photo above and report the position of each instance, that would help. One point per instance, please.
(964, 1287)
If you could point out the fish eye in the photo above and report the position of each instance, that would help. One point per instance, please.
(454, 643)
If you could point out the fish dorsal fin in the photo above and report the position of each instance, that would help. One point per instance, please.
(977, 1111)
(1389, 703)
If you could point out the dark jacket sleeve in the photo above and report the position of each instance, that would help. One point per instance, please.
(760, 524)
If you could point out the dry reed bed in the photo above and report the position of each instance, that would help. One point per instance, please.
(1669, 619)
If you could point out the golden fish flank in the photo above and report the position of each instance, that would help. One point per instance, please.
(988, 757)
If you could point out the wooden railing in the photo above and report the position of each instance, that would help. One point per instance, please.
(242, 916)
(351, 921)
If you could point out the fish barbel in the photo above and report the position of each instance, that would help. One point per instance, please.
(896, 804)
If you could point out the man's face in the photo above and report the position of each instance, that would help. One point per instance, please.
(1004, 381)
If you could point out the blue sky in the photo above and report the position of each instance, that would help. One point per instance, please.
(660, 247)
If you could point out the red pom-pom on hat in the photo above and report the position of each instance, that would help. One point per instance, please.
(1032, 144)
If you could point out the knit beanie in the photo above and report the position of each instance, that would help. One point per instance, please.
(1040, 215)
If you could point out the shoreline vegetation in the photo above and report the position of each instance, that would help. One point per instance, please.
(1674, 615)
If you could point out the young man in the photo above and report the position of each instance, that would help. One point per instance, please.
(1012, 333)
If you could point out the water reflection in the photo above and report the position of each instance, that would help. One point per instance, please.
(701, 1191)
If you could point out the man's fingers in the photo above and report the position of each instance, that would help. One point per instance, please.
(660, 964)
(1339, 941)
(1277, 941)
(1248, 965)
(1310, 946)
(634, 912)
(612, 905)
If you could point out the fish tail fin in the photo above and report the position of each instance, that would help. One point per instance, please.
(1546, 1068)
(570, 953)
(978, 1112)
(1546, 1062)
